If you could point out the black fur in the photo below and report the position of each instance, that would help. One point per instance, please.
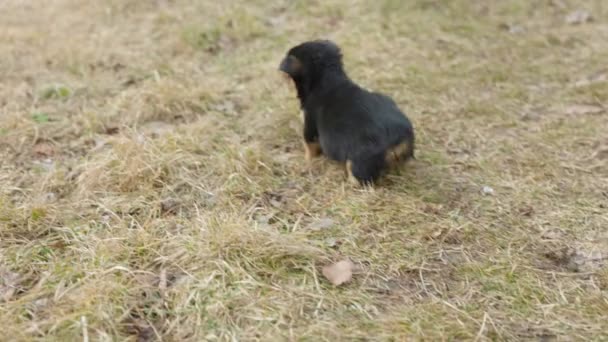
(349, 122)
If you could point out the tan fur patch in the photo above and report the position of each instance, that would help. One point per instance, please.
(349, 173)
(312, 150)
(294, 64)
(397, 154)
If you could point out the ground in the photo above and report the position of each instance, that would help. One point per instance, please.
(153, 183)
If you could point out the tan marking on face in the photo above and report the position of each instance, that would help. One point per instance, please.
(294, 64)
(396, 154)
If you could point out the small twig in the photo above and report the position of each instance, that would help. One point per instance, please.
(482, 328)
(85, 330)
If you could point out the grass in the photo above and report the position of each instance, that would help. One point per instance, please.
(153, 186)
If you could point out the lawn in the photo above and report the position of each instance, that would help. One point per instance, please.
(153, 184)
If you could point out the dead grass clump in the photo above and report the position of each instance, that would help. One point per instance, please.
(129, 166)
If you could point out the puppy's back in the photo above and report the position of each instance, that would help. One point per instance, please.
(354, 121)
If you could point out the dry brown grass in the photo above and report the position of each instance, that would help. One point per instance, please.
(153, 184)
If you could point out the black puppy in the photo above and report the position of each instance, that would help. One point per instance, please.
(364, 130)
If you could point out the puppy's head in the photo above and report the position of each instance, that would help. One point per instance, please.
(310, 60)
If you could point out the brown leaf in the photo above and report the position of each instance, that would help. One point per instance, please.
(44, 149)
(339, 273)
(9, 284)
(140, 329)
(526, 210)
(111, 130)
(170, 206)
(437, 233)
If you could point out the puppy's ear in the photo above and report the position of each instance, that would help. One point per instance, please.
(291, 65)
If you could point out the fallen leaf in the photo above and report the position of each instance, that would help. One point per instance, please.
(131, 80)
(323, 223)
(340, 272)
(437, 233)
(578, 17)
(9, 284)
(111, 130)
(170, 206)
(44, 149)
(527, 210)
(434, 209)
(581, 109)
(141, 329)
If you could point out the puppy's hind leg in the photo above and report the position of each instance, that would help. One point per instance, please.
(311, 150)
(366, 170)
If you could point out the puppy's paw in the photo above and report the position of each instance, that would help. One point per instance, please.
(311, 150)
(308, 155)
(354, 181)
(349, 174)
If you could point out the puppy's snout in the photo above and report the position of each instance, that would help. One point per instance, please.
(284, 66)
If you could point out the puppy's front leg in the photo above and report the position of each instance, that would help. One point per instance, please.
(349, 173)
(312, 147)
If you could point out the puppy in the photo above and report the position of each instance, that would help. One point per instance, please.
(364, 130)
